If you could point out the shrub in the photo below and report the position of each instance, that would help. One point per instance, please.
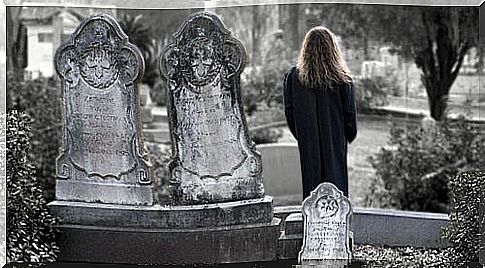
(140, 33)
(40, 99)
(463, 230)
(265, 116)
(30, 233)
(159, 92)
(374, 91)
(159, 155)
(414, 170)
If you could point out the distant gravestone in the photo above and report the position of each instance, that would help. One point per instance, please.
(326, 237)
(101, 156)
(213, 158)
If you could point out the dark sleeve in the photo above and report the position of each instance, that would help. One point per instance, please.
(288, 101)
(350, 119)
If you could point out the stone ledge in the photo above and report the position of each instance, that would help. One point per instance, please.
(96, 192)
(194, 216)
(228, 244)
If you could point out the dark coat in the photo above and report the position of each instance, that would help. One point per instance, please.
(323, 121)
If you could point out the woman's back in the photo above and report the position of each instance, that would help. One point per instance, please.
(320, 111)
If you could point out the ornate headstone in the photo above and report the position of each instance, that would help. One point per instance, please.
(101, 157)
(326, 237)
(213, 158)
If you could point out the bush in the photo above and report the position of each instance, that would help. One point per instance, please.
(159, 93)
(159, 156)
(463, 230)
(30, 233)
(259, 124)
(40, 99)
(374, 91)
(140, 33)
(414, 170)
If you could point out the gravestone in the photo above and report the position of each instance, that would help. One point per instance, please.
(101, 157)
(213, 158)
(327, 221)
(222, 208)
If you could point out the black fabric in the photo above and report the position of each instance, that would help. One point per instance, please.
(323, 121)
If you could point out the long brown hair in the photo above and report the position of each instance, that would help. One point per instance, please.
(321, 63)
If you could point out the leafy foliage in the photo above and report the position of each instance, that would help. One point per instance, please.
(262, 91)
(40, 99)
(261, 121)
(141, 35)
(463, 230)
(159, 93)
(414, 170)
(159, 155)
(436, 38)
(30, 233)
(374, 91)
(409, 257)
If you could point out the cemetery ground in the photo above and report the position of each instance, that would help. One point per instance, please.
(372, 134)
(129, 230)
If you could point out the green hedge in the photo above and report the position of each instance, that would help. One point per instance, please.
(463, 231)
(414, 170)
(30, 233)
(41, 100)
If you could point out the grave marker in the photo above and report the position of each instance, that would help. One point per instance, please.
(213, 158)
(101, 156)
(326, 237)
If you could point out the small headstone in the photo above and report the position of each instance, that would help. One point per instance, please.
(101, 157)
(327, 235)
(213, 158)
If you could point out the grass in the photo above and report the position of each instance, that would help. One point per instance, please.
(373, 133)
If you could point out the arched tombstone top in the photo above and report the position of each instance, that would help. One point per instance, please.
(213, 158)
(204, 39)
(101, 156)
(327, 215)
(99, 52)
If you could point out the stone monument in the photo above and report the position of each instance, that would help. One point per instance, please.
(213, 159)
(220, 213)
(101, 155)
(327, 231)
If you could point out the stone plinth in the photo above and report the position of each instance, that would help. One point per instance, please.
(205, 245)
(255, 211)
(377, 227)
(220, 212)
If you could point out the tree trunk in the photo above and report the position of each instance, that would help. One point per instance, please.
(13, 34)
(442, 58)
(256, 36)
(289, 22)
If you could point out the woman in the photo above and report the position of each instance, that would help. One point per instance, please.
(320, 110)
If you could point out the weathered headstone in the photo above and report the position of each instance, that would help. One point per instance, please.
(101, 157)
(327, 220)
(213, 158)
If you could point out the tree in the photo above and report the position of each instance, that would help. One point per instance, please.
(140, 34)
(16, 40)
(289, 20)
(435, 38)
(354, 23)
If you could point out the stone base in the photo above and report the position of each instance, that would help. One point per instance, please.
(81, 191)
(376, 227)
(229, 244)
(251, 211)
(324, 264)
